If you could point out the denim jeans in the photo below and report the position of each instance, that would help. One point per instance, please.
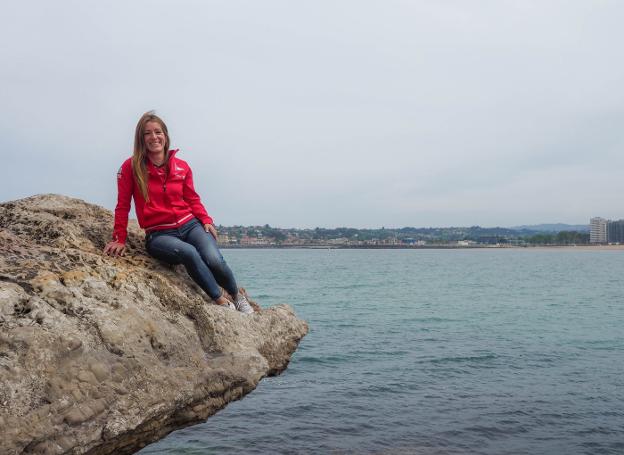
(197, 249)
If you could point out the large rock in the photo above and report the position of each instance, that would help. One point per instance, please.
(101, 355)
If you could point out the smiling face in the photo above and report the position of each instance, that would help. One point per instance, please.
(151, 141)
(155, 138)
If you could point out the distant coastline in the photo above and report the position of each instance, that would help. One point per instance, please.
(401, 238)
(424, 247)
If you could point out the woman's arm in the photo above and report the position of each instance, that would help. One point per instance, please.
(125, 187)
(114, 248)
(194, 201)
(211, 230)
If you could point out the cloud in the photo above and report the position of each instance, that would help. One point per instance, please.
(324, 113)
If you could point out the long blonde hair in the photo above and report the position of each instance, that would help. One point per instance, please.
(139, 167)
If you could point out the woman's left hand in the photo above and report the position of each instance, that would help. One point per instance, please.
(211, 230)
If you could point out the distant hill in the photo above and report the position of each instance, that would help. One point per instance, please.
(556, 227)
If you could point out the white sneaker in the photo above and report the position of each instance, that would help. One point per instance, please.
(242, 304)
(228, 305)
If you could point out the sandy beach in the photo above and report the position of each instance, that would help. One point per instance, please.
(580, 247)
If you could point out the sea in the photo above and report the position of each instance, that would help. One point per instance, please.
(462, 351)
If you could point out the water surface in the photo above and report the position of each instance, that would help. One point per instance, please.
(511, 351)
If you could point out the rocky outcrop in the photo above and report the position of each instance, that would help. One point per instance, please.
(101, 355)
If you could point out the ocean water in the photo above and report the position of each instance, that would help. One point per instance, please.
(507, 351)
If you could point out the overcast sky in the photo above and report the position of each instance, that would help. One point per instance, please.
(326, 113)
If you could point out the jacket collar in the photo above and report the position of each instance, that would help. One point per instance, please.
(170, 159)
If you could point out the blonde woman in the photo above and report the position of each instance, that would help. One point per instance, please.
(178, 228)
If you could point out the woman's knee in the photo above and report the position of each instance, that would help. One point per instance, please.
(213, 258)
(174, 253)
(189, 255)
(163, 254)
(221, 268)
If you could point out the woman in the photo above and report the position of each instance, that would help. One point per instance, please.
(178, 228)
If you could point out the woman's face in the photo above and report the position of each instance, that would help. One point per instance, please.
(154, 137)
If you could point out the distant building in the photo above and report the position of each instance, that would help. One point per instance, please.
(598, 230)
(615, 231)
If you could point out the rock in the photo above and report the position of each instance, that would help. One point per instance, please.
(103, 356)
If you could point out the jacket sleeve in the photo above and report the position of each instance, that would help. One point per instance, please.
(193, 200)
(125, 187)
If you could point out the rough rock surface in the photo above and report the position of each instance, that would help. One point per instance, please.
(101, 355)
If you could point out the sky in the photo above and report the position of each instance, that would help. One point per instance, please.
(302, 113)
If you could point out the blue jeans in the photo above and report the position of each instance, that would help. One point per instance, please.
(197, 249)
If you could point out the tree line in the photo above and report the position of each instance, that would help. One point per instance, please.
(410, 235)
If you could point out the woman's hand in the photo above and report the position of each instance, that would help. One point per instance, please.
(211, 230)
(115, 248)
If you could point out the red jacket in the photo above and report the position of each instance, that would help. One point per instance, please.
(172, 202)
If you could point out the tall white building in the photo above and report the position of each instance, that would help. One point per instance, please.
(598, 230)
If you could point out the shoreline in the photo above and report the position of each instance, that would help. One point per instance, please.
(428, 247)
